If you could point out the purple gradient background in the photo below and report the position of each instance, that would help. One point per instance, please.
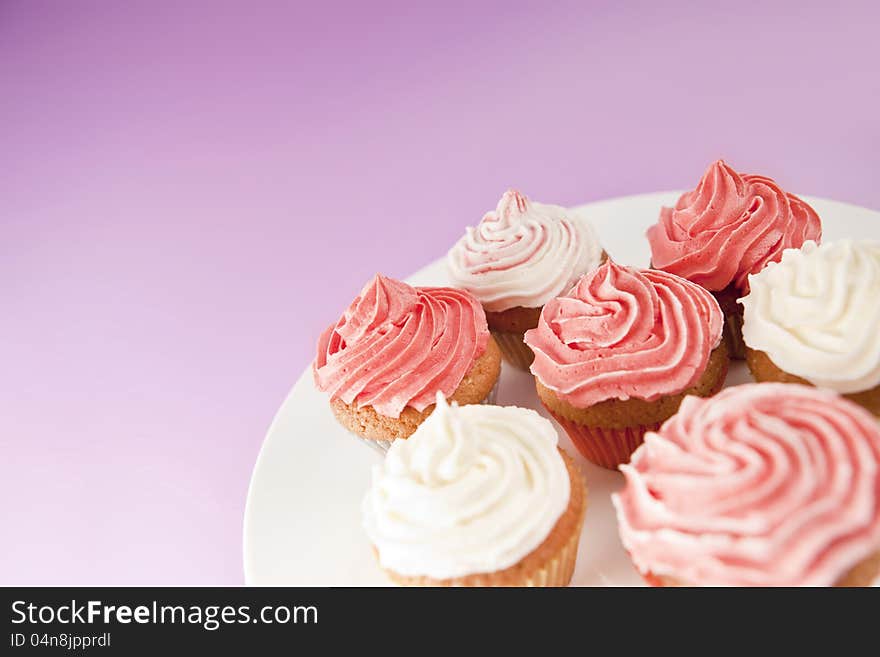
(190, 192)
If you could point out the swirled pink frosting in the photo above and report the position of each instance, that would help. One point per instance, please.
(730, 226)
(398, 346)
(623, 332)
(764, 484)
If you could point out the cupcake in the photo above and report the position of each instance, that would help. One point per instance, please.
(814, 318)
(730, 226)
(477, 496)
(395, 348)
(765, 484)
(519, 257)
(615, 356)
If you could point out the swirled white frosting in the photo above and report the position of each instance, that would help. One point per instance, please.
(816, 314)
(474, 490)
(523, 254)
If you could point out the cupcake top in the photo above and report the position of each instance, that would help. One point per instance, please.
(767, 484)
(817, 314)
(398, 345)
(522, 254)
(730, 226)
(474, 490)
(622, 332)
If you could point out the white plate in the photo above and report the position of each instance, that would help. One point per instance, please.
(302, 524)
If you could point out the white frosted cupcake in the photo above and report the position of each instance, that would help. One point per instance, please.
(520, 256)
(477, 496)
(814, 318)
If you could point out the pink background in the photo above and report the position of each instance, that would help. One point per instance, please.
(190, 191)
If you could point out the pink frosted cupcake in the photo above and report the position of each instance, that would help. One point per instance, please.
(519, 257)
(768, 484)
(730, 226)
(395, 348)
(615, 356)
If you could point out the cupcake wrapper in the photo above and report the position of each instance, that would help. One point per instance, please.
(736, 347)
(513, 349)
(492, 397)
(607, 448)
(556, 572)
(382, 446)
(559, 570)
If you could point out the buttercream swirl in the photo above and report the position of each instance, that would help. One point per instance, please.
(730, 226)
(764, 484)
(523, 254)
(398, 345)
(817, 314)
(474, 490)
(623, 332)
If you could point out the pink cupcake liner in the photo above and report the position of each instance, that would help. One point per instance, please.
(605, 447)
(514, 350)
